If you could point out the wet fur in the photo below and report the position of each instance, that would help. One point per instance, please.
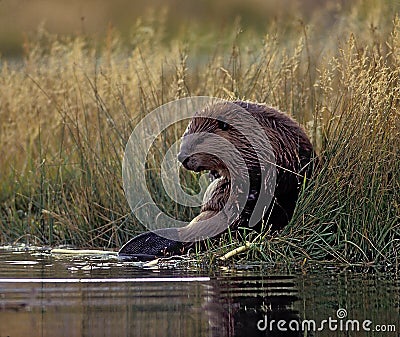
(294, 156)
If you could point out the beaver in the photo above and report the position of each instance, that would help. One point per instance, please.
(267, 178)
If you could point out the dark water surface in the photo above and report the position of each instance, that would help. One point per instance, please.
(57, 295)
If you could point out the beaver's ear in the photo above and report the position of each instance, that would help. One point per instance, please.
(222, 124)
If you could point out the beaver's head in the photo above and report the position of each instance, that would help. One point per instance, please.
(211, 139)
(196, 152)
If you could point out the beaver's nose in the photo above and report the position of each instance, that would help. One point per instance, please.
(182, 156)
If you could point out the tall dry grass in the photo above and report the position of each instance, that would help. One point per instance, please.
(67, 111)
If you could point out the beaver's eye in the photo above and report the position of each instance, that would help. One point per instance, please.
(223, 125)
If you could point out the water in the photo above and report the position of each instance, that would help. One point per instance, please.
(55, 295)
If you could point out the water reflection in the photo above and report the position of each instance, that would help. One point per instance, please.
(245, 305)
(96, 297)
(192, 306)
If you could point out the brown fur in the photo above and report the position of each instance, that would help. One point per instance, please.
(291, 147)
(293, 155)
